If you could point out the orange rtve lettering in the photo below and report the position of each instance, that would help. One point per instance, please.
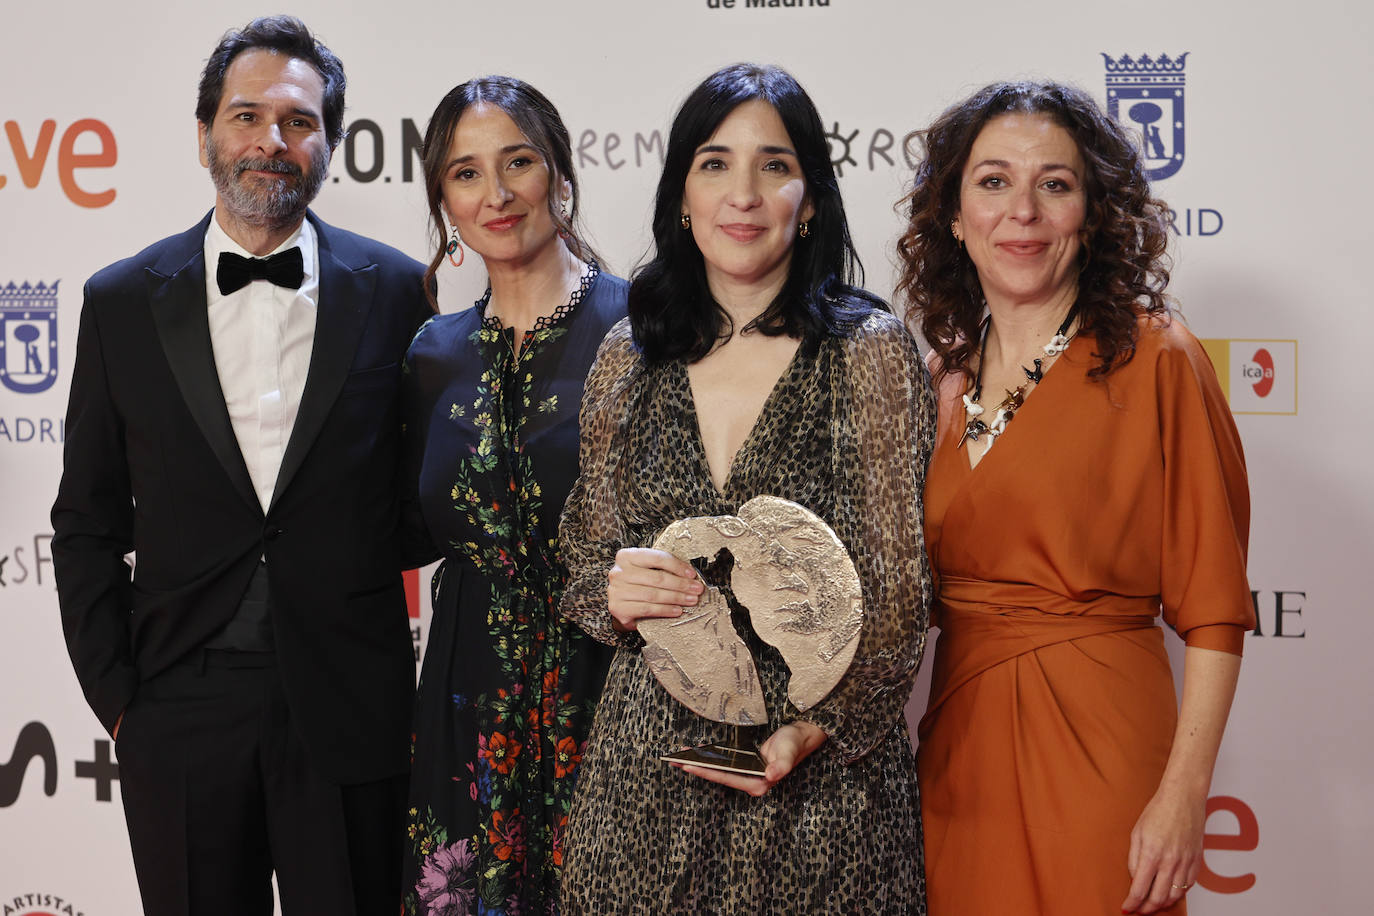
(68, 161)
(31, 162)
(1246, 839)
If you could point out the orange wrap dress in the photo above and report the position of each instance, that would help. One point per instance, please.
(1052, 706)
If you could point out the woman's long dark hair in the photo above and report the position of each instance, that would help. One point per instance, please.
(672, 312)
(1123, 265)
(542, 126)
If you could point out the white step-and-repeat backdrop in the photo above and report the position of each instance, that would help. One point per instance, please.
(1260, 144)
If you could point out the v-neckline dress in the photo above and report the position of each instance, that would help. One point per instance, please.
(840, 833)
(1052, 705)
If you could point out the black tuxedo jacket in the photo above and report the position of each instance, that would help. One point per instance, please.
(152, 466)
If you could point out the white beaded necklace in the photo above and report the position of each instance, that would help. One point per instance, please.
(1002, 414)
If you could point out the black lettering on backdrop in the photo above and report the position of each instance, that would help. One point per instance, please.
(648, 144)
(103, 769)
(1282, 604)
(910, 148)
(34, 741)
(412, 147)
(24, 564)
(1200, 221)
(878, 145)
(42, 556)
(584, 142)
(613, 143)
(355, 130)
(23, 570)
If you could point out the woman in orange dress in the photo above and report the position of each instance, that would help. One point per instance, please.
(1057, 774)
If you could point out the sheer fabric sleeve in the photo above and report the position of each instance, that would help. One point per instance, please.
(590, 531)
(885, 440)
(1204, 590)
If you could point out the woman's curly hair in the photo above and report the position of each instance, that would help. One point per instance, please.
(1123, 267)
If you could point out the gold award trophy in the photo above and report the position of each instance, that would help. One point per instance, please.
(796, 581)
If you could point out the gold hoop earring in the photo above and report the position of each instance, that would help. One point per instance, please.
(686, 221)
(804, 228)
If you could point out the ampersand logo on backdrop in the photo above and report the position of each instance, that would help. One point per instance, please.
(28, 336)
(28, 563)
(1149, 93)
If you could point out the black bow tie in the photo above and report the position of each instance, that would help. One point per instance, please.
(285, 268)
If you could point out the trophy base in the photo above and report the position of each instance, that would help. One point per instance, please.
(720, 757)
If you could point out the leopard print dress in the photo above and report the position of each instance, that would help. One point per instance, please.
(847, 433)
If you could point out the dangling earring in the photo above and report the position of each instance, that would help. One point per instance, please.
(456, 244)
(958, 236)
(686, 221)
(804, 228)
(564, 234)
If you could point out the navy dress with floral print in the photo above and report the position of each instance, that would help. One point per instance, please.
(508, 689)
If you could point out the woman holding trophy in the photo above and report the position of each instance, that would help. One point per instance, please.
(749, 367)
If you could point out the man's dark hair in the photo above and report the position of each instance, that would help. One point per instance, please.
(283, 35)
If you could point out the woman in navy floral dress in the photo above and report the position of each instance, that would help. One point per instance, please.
(508, 689)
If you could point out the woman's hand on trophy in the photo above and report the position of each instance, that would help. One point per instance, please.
(649, 583)
(783, 752)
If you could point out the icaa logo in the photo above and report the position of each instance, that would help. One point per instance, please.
(1257, 376)
(1260, 370)
(1149, 92)
(28, 337)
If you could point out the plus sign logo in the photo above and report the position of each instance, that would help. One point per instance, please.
(103, 770)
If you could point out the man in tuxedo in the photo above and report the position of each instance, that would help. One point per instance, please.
(234, 426)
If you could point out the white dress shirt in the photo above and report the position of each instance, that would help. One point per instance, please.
(262, 336)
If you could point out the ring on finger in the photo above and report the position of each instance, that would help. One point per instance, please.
(1181, 887)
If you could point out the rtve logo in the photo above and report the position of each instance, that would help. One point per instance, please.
(30, 150)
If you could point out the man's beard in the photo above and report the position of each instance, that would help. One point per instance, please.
(277, 200)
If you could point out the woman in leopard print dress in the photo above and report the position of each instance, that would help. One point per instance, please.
(816, 394)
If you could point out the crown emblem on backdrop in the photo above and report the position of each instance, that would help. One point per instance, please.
(1145, 64)
(28, 296)
(1146, 94)
(28, 336)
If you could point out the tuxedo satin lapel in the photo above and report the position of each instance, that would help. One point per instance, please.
(183, 327)
(345, 300)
